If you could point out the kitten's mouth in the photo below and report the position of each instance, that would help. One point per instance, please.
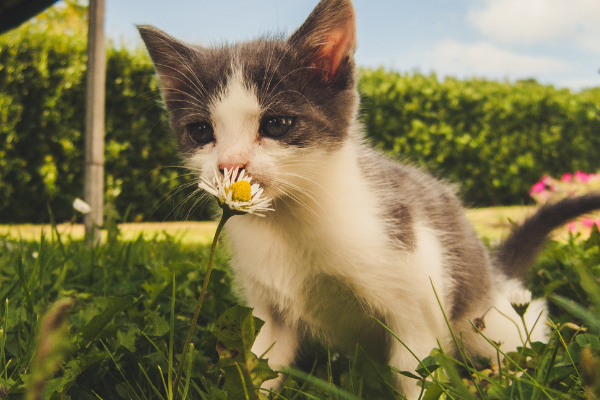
(236, 173)
(254, 178)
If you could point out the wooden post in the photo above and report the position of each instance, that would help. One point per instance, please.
(94, 121)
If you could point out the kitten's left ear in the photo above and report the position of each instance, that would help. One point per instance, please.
(327, 39)
(171, 58)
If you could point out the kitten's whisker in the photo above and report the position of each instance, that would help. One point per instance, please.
(195, 101)
(172, 193)
(274, 70)
(268, 95)
(316, 183)
(189, 83)
(201, 89)
(268, 68)
(202, 200)
(296, 92)
(292, 196)
(296, 194)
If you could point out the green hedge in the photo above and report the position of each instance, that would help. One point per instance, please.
(41, 108)
(42, 114)
(493, 139)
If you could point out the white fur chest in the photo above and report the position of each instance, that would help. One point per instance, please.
(342, 243)
(334, 231)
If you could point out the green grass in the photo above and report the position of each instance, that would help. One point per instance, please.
(492, 224)
(186, 232)
(109, 322)
(495, 223)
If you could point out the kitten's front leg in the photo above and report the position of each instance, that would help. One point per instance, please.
(421, 345)
(279, 341)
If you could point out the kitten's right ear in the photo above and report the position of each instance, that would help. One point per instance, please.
(171, 57)
(327, 39)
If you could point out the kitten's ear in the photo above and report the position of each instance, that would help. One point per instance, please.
(327, 39)
(171, 57)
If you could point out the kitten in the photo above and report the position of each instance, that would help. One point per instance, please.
(353, 234)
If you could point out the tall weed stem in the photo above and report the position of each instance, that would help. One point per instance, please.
(227, 213)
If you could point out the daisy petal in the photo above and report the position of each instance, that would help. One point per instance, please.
(221, 188)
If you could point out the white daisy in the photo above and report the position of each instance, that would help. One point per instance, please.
(82, 206)
(519, 300)
(234, 191)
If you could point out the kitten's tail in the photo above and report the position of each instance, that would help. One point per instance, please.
(519, 251)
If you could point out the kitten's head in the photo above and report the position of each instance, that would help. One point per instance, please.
(276, 107)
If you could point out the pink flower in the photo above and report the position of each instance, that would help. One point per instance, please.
(566, 177)
(582, 177)
(572, 227)
(545, 179)
(587, 222)
(537, 188)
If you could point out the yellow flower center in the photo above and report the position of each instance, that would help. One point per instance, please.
(241, 191)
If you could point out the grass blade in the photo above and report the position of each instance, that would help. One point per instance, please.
(588, 317)
(154, 388)
(188, 375)
(120, 371)
(98, 322)
(171, 344)
(320, 384)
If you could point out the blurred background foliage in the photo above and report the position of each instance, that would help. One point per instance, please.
(494, 139)
(42, 115)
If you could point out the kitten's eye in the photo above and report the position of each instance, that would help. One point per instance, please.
(276, 126)
(200, 132)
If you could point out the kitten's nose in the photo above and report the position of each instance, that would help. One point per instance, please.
(231, 166)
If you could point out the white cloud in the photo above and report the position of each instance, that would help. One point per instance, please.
(535, 21)
(579, 84)
(450, 57)
(590, 41)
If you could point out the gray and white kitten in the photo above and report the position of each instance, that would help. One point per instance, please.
(353, 234)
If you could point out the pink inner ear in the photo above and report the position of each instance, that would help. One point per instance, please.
(337, 45)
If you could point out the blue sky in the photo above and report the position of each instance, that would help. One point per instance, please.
(554, 41)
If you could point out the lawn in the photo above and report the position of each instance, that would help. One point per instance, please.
(109, 322)
(492, 224)
(186, 232)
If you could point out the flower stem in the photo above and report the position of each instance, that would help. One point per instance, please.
(226, 215)
(526, 331)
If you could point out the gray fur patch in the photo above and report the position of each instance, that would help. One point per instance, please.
(408, 195)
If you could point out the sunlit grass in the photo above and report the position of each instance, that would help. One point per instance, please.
(492, 223)
(186, 232)
(495, 223)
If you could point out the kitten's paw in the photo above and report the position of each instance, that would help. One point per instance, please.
(274, 384)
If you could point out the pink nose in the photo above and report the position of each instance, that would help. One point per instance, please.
(230, 166)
